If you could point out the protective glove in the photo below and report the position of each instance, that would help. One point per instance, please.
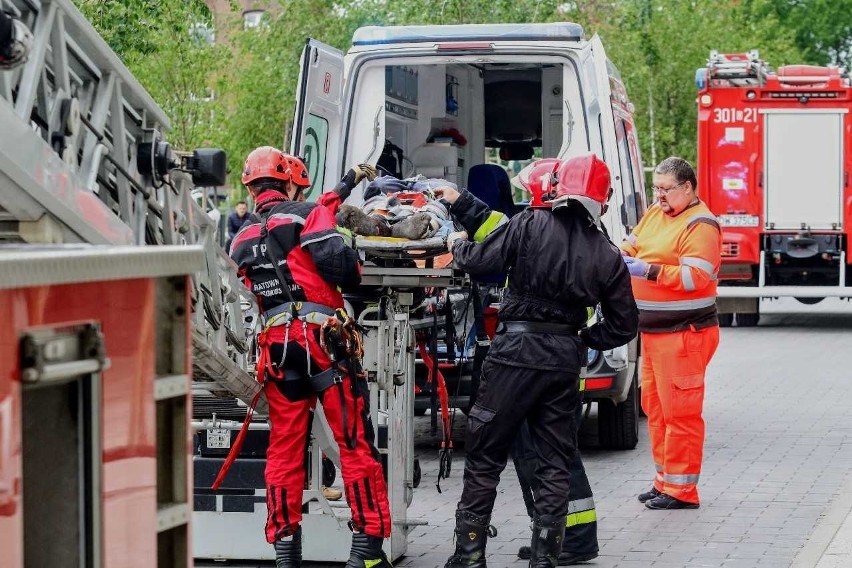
(364, 171)
(453, 237)
(352, 178)
(637, 268)
(447, 193)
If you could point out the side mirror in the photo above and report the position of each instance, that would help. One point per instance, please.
(208, 166)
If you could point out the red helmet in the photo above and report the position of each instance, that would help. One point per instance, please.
(531, 177)
(266, 162)
(298, 171)
(584, 178)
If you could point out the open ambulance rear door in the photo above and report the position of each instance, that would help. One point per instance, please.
(605, 143)
(317, 125)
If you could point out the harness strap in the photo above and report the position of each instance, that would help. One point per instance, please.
(238, 443)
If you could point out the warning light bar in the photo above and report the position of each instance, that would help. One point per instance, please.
(557, 31)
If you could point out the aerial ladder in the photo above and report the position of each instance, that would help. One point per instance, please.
(84, 159)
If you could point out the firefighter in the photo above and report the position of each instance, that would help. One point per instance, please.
(673, 255)
(294, 259)
(559, 264)
(581, 536)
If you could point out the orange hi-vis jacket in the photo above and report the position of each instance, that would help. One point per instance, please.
(684, 254)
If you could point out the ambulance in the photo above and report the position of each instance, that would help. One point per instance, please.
(436, 100)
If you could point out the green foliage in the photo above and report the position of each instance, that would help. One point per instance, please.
(253, 73)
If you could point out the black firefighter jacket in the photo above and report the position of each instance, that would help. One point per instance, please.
(559, 264)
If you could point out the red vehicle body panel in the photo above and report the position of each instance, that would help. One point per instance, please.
(731, 152)
(126, 312)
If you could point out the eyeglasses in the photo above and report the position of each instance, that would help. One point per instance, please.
(665, 190)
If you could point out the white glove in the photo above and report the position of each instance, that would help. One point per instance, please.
(453, 237)
(447, 193)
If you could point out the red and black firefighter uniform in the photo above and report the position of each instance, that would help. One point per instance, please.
(297, 245)
(559, 265)
(675, 257)
(580, 543)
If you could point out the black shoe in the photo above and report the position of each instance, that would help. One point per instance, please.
(288, 553)
(565, 558)
(367, 552)
(648, 495)
(664, 501)
(472, 532)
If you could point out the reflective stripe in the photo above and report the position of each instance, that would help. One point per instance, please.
(686, 279)
(681, 479)
(581, 505)
(582, 385)
(495, 219)
(330, 235)
(703, 218)
(676, 304)
(698, 263)
(288, 217)
(581, 518)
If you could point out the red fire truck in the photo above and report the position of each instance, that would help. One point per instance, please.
(774, 158)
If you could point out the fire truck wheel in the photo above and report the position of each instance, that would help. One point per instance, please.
(747, 320)
(726, 320)
(618, 424)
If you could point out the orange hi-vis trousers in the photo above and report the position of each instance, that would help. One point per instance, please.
(673, 368)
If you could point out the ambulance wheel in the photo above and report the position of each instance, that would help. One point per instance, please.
(747, 320)
(618, 424)
(726, 320)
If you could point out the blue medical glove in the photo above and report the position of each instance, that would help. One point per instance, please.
(636, 267)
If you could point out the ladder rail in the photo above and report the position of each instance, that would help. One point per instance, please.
(74, 120)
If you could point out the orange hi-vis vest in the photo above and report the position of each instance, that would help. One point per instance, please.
(684, 253)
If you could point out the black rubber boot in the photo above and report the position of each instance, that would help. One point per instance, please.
(547, 536)
(472, 533)
(288, 553)
(565, 558)
(367, 552)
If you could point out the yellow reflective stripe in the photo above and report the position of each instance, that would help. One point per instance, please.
(371, 563)
(582, 385)
(581, 518)
(495, 219)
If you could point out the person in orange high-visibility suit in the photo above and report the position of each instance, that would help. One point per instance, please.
(673, 255)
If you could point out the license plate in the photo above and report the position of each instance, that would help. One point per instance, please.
(218, 438)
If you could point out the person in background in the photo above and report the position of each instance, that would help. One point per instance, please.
(673, 255)
(237, 218)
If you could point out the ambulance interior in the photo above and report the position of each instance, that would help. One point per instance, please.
(444, 119)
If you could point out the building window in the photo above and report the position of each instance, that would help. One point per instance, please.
(252, 19)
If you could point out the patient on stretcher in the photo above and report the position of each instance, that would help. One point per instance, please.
(406, 209)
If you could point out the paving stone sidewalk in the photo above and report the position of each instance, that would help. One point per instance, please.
(778, 460)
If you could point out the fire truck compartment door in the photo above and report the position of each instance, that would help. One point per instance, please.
(803, 169)
(319, 114)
